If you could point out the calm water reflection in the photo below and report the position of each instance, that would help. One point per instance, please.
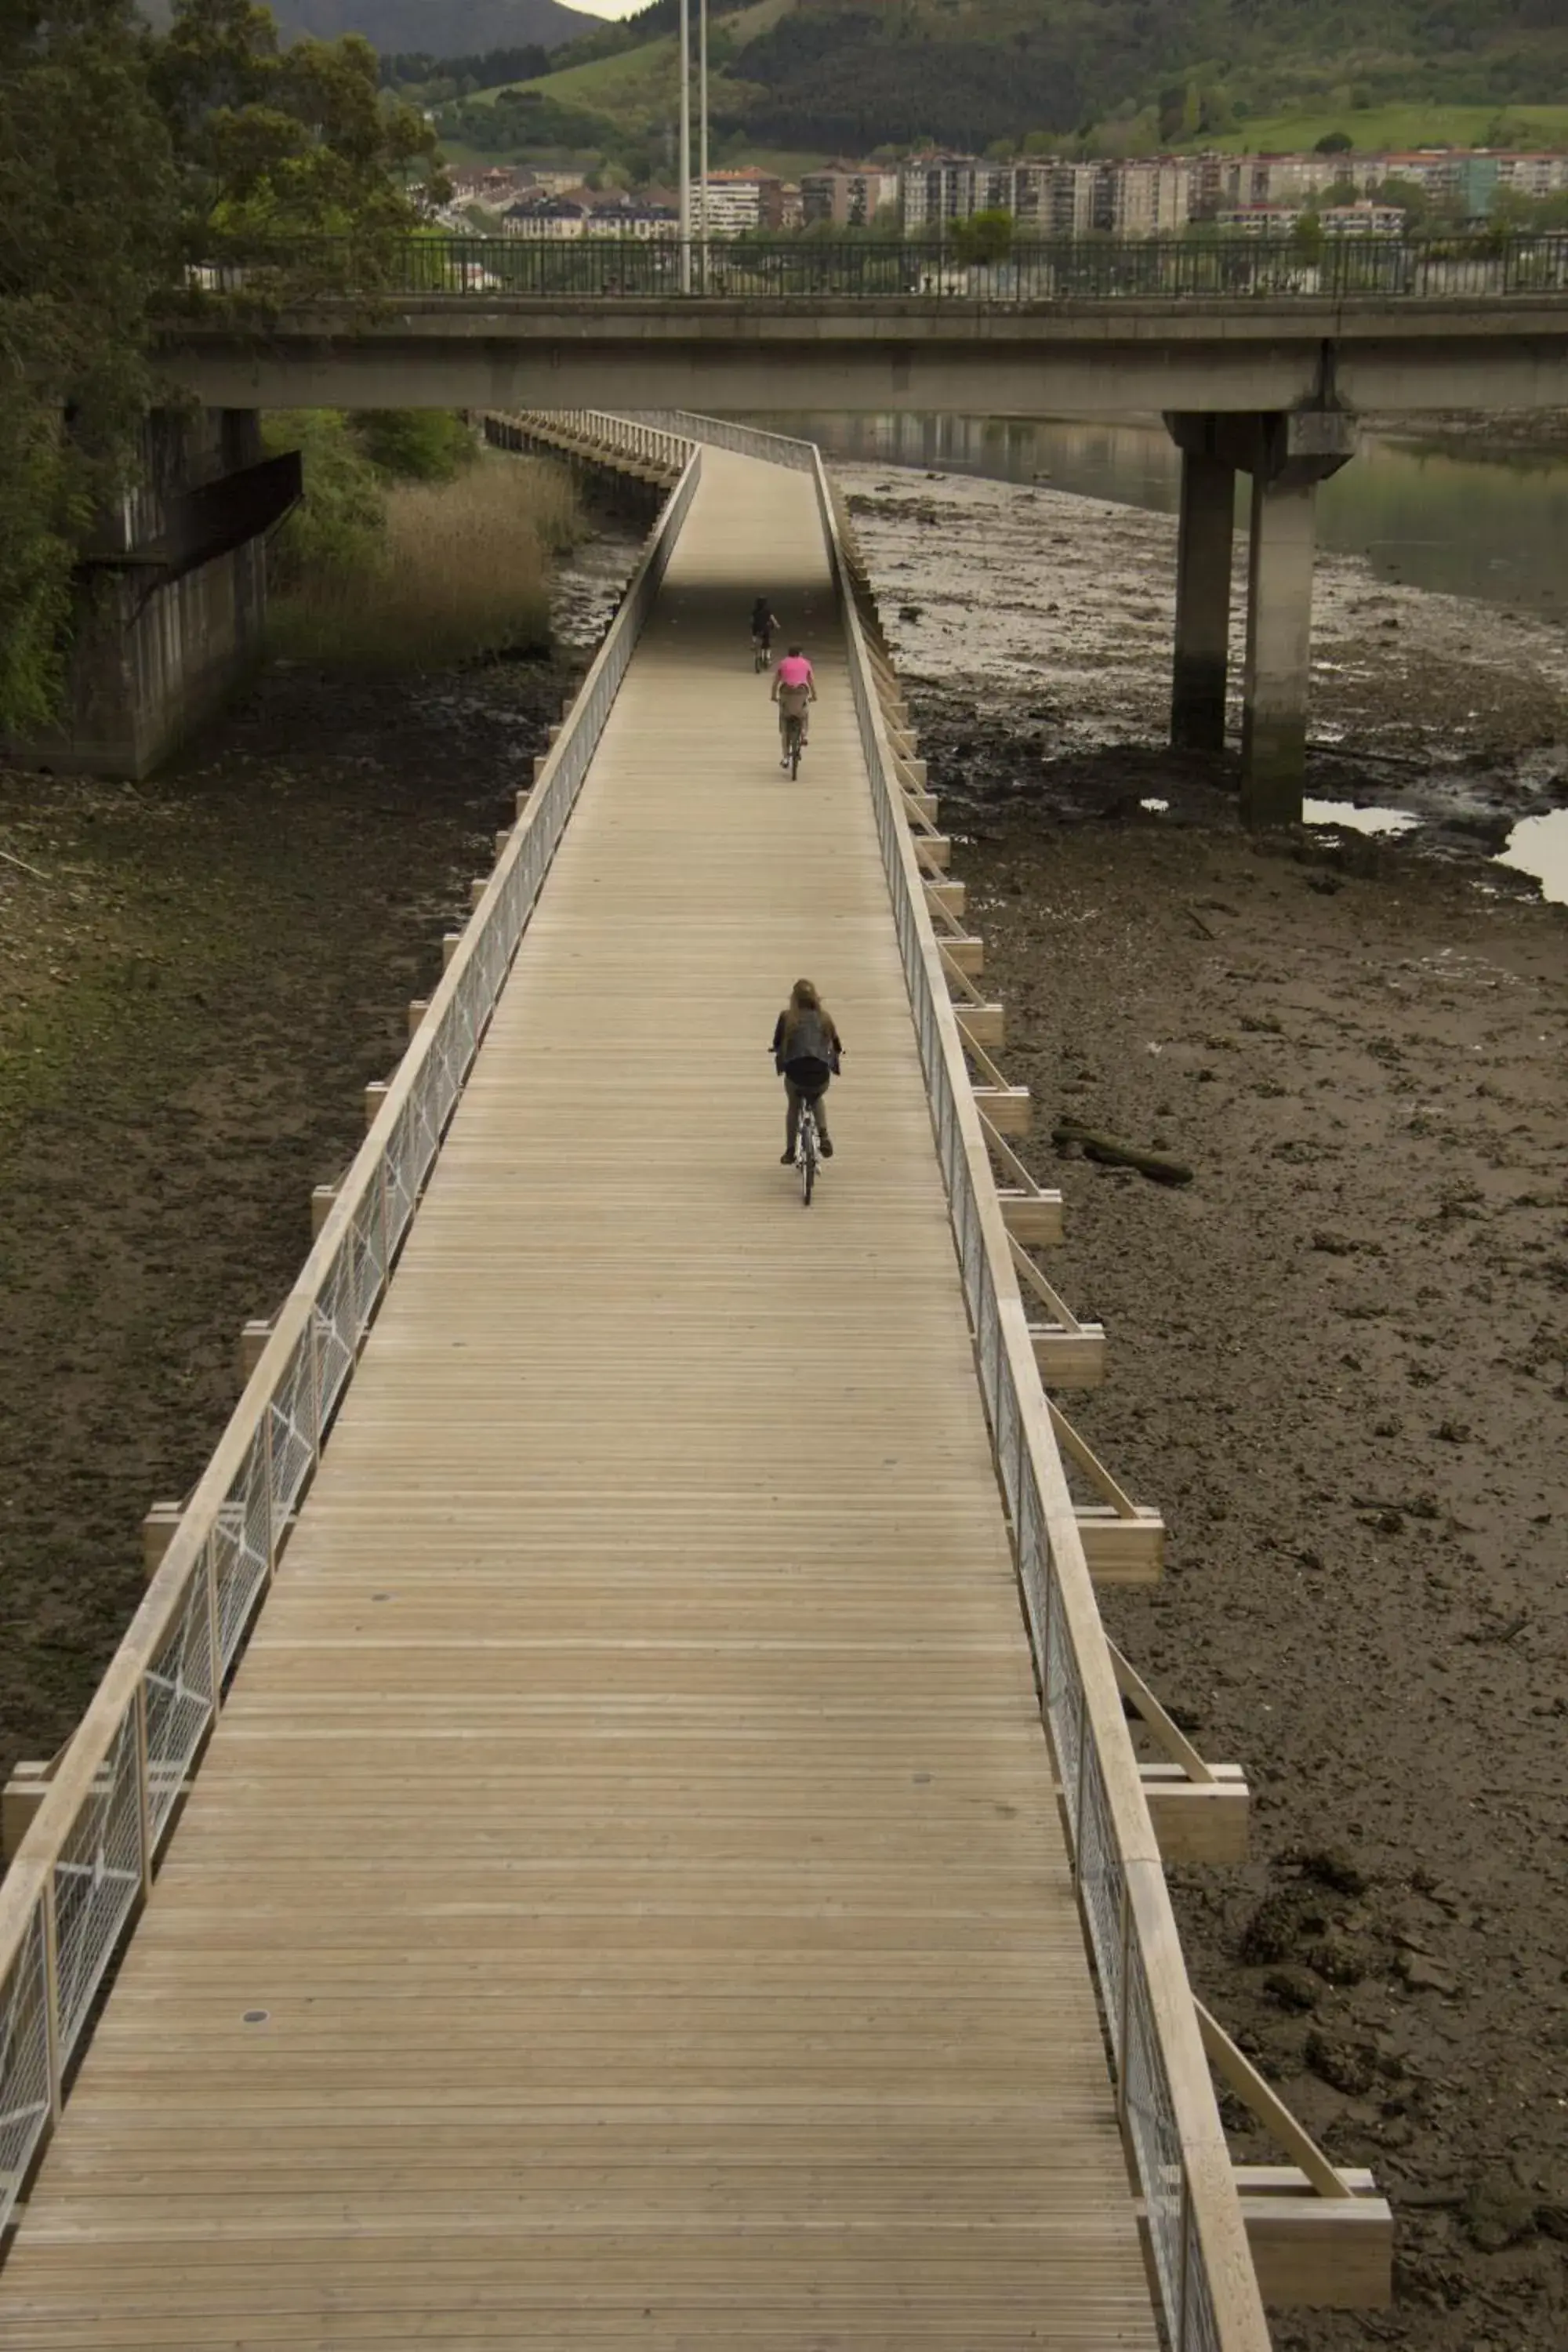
(1495, 526)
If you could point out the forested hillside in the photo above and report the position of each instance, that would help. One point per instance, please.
(851, 75)
(444, 27)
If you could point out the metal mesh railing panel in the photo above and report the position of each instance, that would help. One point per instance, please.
(23, 2058)
(293, 1431)
(401, 1179)
(241, 1546)
(1007, 1435)
(1101, 1889)
(96, 1881)
(180, 1701)
(1150, 2114)
(335, 1318)
(367, 1244)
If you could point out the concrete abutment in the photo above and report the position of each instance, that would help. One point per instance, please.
(170, 604)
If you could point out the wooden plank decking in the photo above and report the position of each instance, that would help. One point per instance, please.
(623, 1904)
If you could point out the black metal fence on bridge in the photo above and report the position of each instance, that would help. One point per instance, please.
(1302, 266)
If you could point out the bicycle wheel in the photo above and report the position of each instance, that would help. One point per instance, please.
(807, 1154)
(794, 733)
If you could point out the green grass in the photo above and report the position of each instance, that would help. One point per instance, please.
(784, 162)
(636, 87)
(639, 86)
(1374, 128)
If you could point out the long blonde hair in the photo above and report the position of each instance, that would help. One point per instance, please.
(803, 998)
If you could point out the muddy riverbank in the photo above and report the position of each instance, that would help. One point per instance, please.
(198, 975)
(1339, 1358)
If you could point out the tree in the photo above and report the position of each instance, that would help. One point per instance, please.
(88, 220)
(1409, 196)
(120, 151)
(283, 142)
(1334, 142)
(985, 237)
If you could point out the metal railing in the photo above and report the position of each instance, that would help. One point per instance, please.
(1199, 266)
(643, 438)
(1207, 2286)
(89, 1856)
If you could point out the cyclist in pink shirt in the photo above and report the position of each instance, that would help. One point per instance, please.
(793, 689)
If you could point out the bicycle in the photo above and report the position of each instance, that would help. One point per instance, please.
(762, 652)
(793, 737)
(807, 1150)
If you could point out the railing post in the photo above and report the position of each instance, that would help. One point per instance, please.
(1125, 2004)
(214, 1620)
(1179, 2317)
(53, 2031)
(266, 1486)
(143, 1787)
(1080, 1698)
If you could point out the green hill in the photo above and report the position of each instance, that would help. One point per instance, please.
(441, 27)
(847, 75)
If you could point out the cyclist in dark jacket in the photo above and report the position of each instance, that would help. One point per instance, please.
(806, 1051)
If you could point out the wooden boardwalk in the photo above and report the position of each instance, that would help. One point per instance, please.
(623, 1902)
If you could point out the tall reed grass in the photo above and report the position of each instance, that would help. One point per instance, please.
(460, 569)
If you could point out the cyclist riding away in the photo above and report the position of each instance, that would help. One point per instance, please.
(795, 688)
(806, 1053)
(764, 621)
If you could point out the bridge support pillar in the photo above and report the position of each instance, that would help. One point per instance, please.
(1288, 452)
(1202, 602)
(1278, 640)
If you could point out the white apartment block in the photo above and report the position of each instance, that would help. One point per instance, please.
(738, 201)
(1534, 175)
(1150, 199)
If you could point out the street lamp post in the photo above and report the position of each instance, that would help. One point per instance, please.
(686, 146)
(702, 134)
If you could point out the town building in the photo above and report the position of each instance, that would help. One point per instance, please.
(936, 189)
(1057, 199)
(850, 196)
(741, 200)
(1150, 198)
(1258, 220)
(1363, 219)
(541, 216)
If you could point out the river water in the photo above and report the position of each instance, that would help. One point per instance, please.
(1468, 521)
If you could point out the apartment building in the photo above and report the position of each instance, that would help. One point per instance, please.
(1150, 199)
(1057, 199)
(850, 196)
(936, 189)
(741, 200)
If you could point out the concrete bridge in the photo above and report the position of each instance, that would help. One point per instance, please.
(618, 1818)
(1103, 355)
(1258, 363)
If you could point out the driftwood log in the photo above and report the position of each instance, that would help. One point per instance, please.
(1158, 1166)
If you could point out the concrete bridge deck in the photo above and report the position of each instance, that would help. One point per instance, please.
(624, 1900)
(1123, 354)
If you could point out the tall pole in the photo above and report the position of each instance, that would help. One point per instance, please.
(702, 133)
(686, 146)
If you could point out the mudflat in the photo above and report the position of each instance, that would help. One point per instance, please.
(1338, 1359)
(198, 976)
